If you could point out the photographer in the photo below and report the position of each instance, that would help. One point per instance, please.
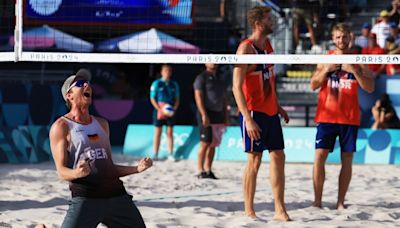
(384, 114)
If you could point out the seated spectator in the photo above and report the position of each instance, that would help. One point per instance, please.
(394, 33)
(384, 114)
(353, 48)
(362, 40)
(394, 11)
(382, 28)
(392, 48)
(374, 49)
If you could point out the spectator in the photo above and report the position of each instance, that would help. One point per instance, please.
(392, 48)
(394, 33)
(382, 29)
(353, 48)
(394, 11)
(362, 40)
(303, 12)
(374, 49)
(384, 114)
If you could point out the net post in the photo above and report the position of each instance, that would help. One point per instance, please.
(18, 30)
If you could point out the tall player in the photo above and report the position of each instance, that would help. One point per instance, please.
(338, 113)
(254, 91)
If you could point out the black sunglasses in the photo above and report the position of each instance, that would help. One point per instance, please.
(78, 83)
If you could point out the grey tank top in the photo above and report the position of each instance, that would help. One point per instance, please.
(91, 143)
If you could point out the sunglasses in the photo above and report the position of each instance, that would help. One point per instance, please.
(78, 83)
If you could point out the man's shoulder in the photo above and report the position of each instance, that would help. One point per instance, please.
(202, 75)
(155, 82)
(245, 47)
(60, 124)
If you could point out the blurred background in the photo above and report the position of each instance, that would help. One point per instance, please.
(30, 91)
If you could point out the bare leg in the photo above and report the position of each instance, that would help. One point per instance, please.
(277, 179)
(319, 175)
(249, 182)
(156, 140)
(312, 34)
(344, 177)
(210, 158)
(201, 156)
(296, 35)
(170, 140)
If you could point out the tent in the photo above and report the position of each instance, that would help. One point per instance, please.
(147, 42)
(46, 37)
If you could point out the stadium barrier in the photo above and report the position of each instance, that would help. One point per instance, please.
(30, 144)
(373, 146)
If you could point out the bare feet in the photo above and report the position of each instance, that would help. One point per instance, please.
(283, 216)
(317, 204)
(251, 214)
(340, 206)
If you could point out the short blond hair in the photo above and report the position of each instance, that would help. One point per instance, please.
(257, 13)
(341, 27)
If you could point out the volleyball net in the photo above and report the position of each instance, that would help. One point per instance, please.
(172, 31)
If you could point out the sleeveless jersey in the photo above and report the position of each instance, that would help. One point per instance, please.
(338, 99)
(259, 84)
(90, 142)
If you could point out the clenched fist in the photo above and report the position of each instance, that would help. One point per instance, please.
(82, 169)
(144, 164)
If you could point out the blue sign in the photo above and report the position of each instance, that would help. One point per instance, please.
(373, 147)
(144, 12)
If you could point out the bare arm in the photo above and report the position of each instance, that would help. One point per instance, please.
(177, 102)
(143, 164)
(154, 103)
(198, 96)
(320, 75)
(59, 134)
(239, 74)
(363, 75)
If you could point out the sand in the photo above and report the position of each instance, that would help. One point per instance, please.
(169, 195)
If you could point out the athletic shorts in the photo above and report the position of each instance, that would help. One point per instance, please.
(212, 134)
(300, 14)
(159, 123)
(271, 133)
(327, 133)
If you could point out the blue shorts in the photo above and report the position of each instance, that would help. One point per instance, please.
(271, 133)
(159, 123)
(327, 133)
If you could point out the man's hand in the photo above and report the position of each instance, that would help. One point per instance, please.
(332, 67)
(82, 169)
(253, 130)
(284, 114)
(205, 120)
(144, 164)
(349, 68)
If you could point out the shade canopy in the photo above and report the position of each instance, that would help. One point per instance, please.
(46, 37)
(147, 42)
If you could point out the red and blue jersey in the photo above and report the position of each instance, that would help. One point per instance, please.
(259, 84)
(338, 99)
